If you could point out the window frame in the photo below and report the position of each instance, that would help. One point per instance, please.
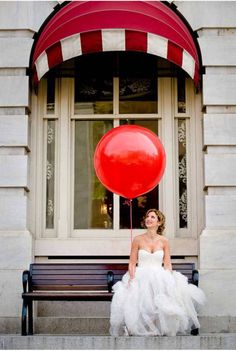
(64, 100)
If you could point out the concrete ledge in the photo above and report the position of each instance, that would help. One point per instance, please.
(202, 342)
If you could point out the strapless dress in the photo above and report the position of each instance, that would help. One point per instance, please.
(155, 302)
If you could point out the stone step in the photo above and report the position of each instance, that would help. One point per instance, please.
(100, 325)
(78, 342)
(72, 325)
(72, 309)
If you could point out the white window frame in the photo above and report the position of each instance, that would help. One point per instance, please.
(168, 196)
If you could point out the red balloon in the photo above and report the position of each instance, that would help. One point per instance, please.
(129, 160)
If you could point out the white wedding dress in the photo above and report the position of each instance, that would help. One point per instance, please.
(155, 302)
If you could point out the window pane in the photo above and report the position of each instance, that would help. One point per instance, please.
(138, 95)
(50, 95)
(182, 162)
(181, 94)
(93, 203)
(50, 174)
(93, 95)
(146, 201)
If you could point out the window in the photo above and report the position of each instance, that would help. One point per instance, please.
(78, 105)
(93, 203)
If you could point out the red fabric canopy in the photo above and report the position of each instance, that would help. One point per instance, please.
(82, 27)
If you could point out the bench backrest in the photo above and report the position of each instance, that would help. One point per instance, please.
(73, 276)
(186, 269)
(84, 276)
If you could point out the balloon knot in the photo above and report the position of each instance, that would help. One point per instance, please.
(127, 202)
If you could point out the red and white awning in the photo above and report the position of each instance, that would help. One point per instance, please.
(82, 27)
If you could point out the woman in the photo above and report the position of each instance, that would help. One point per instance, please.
(150, 299)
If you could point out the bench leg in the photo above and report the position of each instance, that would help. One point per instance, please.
(30, 318)
(24, 318)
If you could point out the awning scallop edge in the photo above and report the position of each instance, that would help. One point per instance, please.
(81, 27)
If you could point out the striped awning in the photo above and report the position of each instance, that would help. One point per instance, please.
(81, 27)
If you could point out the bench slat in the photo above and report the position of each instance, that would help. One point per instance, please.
(63, 287)
(72, 266)
(77, 271)
(70, 281)
(69, 276)
(48, 296)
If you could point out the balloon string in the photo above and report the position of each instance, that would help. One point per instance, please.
(131, 223)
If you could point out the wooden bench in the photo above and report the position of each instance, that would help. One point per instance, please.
(76, 282)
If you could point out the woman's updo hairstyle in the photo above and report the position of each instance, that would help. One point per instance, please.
(160, 217)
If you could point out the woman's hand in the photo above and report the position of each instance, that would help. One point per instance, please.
(130, 281)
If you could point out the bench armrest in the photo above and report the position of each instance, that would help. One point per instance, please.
(25, 281)
(195, 277)
(110, 280)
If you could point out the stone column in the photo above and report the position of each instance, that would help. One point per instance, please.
(215, 23)
(218, 239)
(18, 22)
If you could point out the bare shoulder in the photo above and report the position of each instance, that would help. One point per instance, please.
(164, 240)
(139, 238)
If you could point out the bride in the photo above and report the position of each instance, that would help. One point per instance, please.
(150, 299)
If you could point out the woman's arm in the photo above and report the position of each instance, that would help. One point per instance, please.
(133, 257)
(167, 259)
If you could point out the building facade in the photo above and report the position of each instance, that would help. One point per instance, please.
(61, 91)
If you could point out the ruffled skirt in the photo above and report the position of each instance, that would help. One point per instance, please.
(155, 302)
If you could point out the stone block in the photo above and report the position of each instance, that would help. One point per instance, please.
(218, 89)
(14, 130)
(10, 292)
(13, 209)
(218, 50)
(15, 250)
(219, 287)
(215, 251)
(14, 91)
(219, 129)
(208, 14)
(13, 171)
(220, 211)
(24, 14)
(15, 52)
(220, 170)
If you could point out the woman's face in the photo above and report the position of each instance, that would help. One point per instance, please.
(151, 220)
